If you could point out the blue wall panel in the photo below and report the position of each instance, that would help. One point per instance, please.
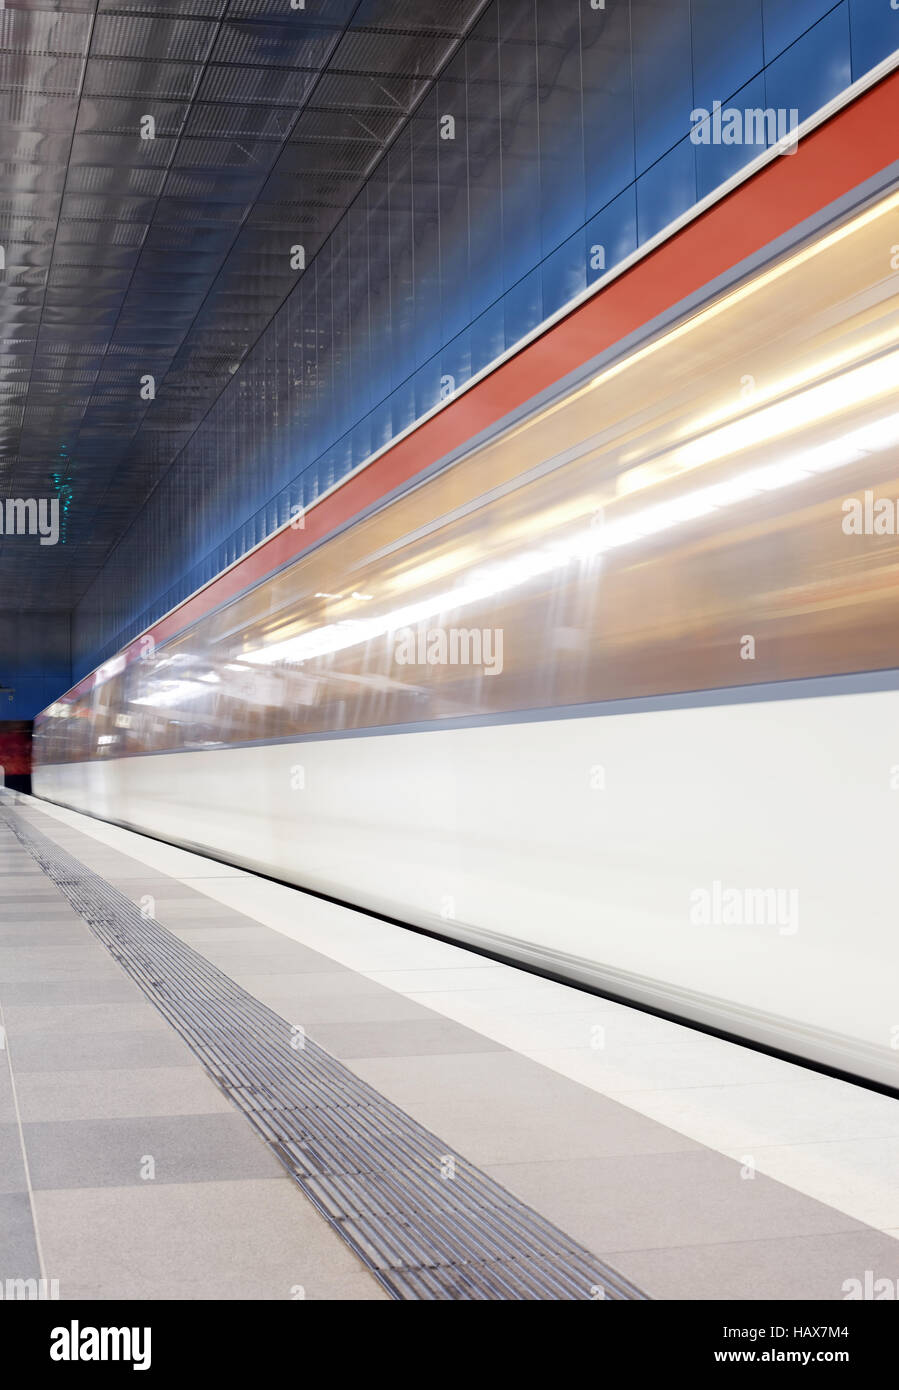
(667, 189)
(608, 103)
(785, 22)
(35, 661)
(715, 164)
(560, 122)
(814, 69)
(663, 76)
(728, 48)
(873, 25)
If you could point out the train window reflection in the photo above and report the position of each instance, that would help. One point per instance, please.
(621, 542)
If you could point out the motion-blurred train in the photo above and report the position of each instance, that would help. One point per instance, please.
(614, 694)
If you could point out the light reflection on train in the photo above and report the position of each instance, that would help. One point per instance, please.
(602, 697)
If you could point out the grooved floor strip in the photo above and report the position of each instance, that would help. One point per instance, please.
(426, 1222)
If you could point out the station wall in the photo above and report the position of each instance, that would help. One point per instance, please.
(571, 143)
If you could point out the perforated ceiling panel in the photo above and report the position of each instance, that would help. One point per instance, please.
(137, 250)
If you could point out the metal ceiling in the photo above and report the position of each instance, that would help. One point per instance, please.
(127, 257)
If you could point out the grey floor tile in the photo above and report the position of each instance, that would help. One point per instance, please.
(22, 936)
(43, 923)
(79, 946)
(50, 965)
(102, 861)
(37, 909)
(387, 1007)
(18, 1248)
(135, 879)
(121, 1094)
(135, 1015)
(401, 1038)
(38, 920)
(255, 1286)
(158, 886)
(235, 957)
(113, 1152)
(326, 984)
(497, 1107)
(111, 988)
(15, 887)
(7, 1100)
(212, 934)
(35, 1052)
(195, 909)
(409, 1080)
(813, 1267)
(12, 1165)
(218, 1240)
(660, 1200)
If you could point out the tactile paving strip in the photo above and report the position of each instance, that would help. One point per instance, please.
(426, 1222)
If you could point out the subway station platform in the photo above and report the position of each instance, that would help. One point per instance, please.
(218, 1087)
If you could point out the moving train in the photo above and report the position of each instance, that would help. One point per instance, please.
(614, 694)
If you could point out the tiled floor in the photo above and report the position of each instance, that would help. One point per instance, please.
(142, 1181)
(791, 1122)
(697, 1168)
